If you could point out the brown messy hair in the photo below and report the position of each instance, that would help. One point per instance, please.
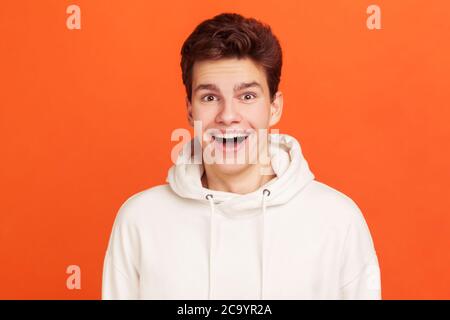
(230, 35)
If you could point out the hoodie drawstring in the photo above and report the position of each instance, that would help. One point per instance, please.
(263, 242)
(209, 197)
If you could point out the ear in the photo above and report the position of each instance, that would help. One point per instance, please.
(189, 112)
(276, 108)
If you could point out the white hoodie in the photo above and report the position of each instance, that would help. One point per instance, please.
(293, 238)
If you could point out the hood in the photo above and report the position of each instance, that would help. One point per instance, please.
(291, 169)
(292, 175)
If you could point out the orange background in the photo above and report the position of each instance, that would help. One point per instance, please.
(86, 117)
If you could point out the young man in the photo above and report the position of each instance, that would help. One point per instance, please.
(249, 229)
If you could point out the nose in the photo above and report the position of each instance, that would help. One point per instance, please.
(228, 114)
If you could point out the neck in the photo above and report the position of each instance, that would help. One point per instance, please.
(243, 182)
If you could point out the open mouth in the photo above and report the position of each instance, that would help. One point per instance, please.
(229, 142)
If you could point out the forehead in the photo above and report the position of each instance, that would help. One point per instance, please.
(227, 71)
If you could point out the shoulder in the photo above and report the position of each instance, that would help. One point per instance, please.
(332, 203)
(148, 197)
(341, 213)
(141, 204)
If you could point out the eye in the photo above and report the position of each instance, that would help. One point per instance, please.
(208, 98)
(248, 96)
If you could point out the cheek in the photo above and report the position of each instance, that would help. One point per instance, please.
(205, 115)
(258, 116)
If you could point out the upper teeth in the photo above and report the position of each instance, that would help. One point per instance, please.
(230, 135)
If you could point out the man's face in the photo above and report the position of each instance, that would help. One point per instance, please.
(231, 98)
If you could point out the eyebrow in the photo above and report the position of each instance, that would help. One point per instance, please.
(237, 87)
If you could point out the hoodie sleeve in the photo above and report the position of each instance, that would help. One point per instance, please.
(120, 279)
(360, 272)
